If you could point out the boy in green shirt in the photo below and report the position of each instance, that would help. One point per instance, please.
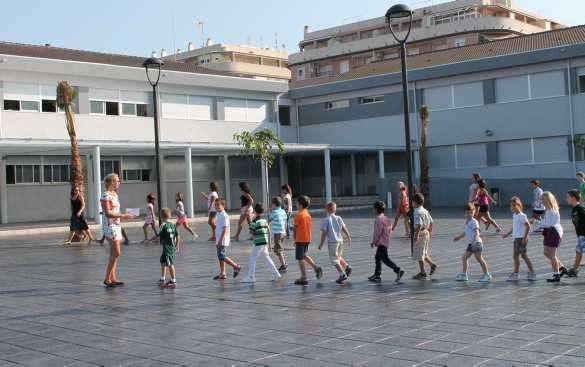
(170, 242)
(260, 232)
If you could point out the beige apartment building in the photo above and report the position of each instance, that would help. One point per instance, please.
(242, 60)
(328, 53)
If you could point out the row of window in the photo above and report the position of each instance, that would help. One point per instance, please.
(345, 103)
(112, 108)
(45, 105)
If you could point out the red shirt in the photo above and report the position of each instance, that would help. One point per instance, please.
(303, 225)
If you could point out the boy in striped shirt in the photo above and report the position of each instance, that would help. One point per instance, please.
(260, 237)
(278, 222)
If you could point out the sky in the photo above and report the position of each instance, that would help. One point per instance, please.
(137, 27)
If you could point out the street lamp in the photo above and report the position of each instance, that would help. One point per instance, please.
(398, 12)
(152, 66)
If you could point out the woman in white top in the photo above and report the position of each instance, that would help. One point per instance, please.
(287, 206)
(211, 212)
(553, 234)
(111, 226)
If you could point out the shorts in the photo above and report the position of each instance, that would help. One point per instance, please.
(113, 232)
(421, 250)
(167, 260)
(551, 238)
(484, 208)
(403, 209)
(475, 248)
(476, 205)
(580, 244)
(278, 243)
(519, 247)
(246, 210)
(181, 220)
(301, 251)
(335, 252)
(212, 215)
(221, 253)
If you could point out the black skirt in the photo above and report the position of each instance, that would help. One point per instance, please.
(78, 223)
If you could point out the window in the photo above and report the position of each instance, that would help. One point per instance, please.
(468, 94)
(512, 89)
(11, 105)
(551, 150)
(109, 166)
(515, 152)
(438, 98)
(442, 157)
(372, 99)
(112, 108)
(413, 51)
(179, 106)
(581, 83)
(141, 110)
(49, 105)
(549, 84)
(137, 175)
(23, 174)
(128, 109)
(56, 173)
(32, 106)
(344, 67)
(459, 42)
(471, 156)
(96, 107)
(337, 104)
(284, 115)
(300, 74)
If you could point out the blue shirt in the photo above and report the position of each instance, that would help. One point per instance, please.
(278, 221)
(333, 225)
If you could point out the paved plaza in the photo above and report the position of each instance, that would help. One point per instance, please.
(56, 312)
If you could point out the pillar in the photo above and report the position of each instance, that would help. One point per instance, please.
(282, 170)
(353, 175)
(227, 180)
(188, 183)
(381, 168)
(163, 182)
(90, 195)
(3, 192)
(97, 183)
(328, 196)
(265, 184)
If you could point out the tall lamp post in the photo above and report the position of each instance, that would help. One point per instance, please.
(397, 12)
(153, 66)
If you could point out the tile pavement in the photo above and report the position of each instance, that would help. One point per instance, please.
(54, 311)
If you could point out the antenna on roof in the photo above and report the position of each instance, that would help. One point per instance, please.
(276, 41)
(201, 24)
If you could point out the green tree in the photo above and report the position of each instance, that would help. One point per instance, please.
(263, 146)
(425, 181)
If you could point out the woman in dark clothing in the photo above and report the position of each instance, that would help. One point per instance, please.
(247, 204)
(78, 224)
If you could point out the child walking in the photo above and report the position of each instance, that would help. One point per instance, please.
(484, 199)
(260, 234)
(578, 218)
(149, 220)
(332, 229)
(170, 243)
(520, 230)
(381, 240)
(211, 212)
(222, 235)
(302, 233)
(423, 226)
(553, 234)
(403, 208)
(537, 208)
(182, 216)
(278, 224)
(474, 247)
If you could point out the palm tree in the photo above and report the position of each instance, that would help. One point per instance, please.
(65, 96)
(425, 184)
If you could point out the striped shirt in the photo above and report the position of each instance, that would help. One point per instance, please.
(278, 221)
(259, 230)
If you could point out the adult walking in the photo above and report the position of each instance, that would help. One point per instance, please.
(111, 227)
(77, 223)
(287, 206)
(247, 203)
(403, 209)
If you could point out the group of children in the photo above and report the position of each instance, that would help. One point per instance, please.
(266, 228)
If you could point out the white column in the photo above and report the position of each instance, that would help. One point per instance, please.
(97, 183)
(381, 172)
(189, 182)
(227, 180)
(328, 196)
(282, 170)
(265, 183)
(89, 197)
(353, 175)
(3, 193)
(163, 182)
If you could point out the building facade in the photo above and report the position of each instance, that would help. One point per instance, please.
(325, 54)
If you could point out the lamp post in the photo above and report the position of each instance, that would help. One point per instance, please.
(153, 66)
(396, 12)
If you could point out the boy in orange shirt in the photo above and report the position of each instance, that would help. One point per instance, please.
(302, 232)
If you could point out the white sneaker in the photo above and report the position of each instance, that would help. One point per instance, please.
(248, 280)
(462, 277)
(513, 277)
(531, 277)
(486, 278)
(276, 278)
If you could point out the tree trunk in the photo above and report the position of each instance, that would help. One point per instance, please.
(425, 185)
(64, 99)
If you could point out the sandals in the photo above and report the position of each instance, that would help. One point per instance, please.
(220, 277)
